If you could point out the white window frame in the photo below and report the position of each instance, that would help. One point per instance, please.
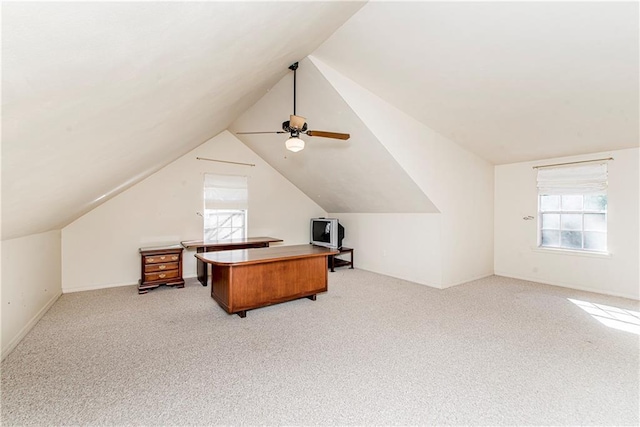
(221, 224)
(225, 207)
(578, 179)
(582, 229)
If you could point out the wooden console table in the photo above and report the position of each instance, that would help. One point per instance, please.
(251, 278)
(223, 245)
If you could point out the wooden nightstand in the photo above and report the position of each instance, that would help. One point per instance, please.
(160, 266)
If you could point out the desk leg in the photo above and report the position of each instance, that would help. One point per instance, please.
(202, 269)
(331, 259)
(242, 313)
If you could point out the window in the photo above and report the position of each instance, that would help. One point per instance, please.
(572, 208)
(574, 221)
(225, 224)
(225, 207)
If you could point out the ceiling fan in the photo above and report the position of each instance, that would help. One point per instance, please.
(297, 125)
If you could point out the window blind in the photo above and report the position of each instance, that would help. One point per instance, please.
(225, 192)
(578, 179)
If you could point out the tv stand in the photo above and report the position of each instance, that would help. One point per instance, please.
(334, 261)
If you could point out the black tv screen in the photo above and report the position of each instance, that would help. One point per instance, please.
(327, 232)
(322, 231)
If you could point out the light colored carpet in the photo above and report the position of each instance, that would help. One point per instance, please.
(373, 350)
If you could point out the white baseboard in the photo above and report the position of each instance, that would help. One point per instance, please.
(113, 285)
(431, 285)
(27, 328)
(386, 273)
(568, 286)
(95, 287)
(482, 276)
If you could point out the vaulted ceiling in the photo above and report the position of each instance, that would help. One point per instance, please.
(509, 81)
(98, 95)
(358, 175)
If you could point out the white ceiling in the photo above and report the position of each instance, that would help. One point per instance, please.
(98, 95)
(509, 81)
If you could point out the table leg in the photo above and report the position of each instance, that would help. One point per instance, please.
(202, 269)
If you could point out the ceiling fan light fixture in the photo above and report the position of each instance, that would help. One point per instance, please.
(294, 144)
(297, 125)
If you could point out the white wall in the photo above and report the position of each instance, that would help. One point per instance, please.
(516, 253)
(406, 246)
(31, 283)
(459, 183)
(100, 249)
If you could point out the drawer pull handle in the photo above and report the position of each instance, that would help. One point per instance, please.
(151, 259)
(162, 257)
(174, 258)
(162, 267)
(162, 276)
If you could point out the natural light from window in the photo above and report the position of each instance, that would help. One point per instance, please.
(575, 221)
(613, 317)
(572, 206)
(226, 199)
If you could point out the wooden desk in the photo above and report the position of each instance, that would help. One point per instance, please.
(224, 245)
(251, 278)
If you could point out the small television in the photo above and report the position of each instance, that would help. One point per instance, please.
(326, 232)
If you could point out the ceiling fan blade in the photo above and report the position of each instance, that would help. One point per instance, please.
(296, 122)
(256, 133)
(323, 134)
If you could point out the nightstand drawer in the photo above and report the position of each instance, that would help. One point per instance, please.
(154, 259)
(161, 275)
(150, 268)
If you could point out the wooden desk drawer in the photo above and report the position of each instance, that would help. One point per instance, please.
(161, 275)
(150, 268)
(154, 259)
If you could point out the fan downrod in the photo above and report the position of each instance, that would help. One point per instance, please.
(297, 125)
(294, 67)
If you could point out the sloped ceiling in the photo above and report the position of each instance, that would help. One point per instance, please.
(358, 175)
(98, 95)
(509, 81)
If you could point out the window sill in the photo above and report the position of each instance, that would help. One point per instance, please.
(572, 253)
